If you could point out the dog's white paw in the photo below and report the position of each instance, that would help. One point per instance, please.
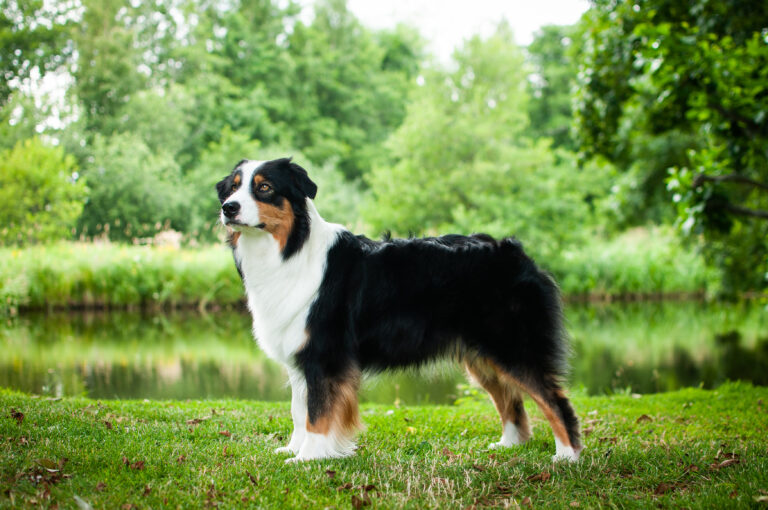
(285, 449)
(509, 438)
(563, 452)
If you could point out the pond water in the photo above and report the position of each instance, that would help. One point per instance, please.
(640, 347)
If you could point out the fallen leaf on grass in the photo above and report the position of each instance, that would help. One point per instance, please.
(724, 464)
(225, 433)
(611, 440)
(196, 421)
(734, 494)
(17, 415)
(147, 490)
(252, 478)
(138, 465)
(51, 466)
(663, 488)
(82, 504)
(344, 487)
(100, 486)
(526, 501)
(644, 418)
(181, 459)
(108, 424)
(448, 453)
(587, 431)
(330, 473)
(540, 477)
(360, 502)
(478, 467)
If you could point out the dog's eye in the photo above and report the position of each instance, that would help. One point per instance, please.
(234, 186)
(264, 188)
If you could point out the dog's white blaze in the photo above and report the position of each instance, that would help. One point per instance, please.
(563, 452)
(249, 210)
(510, 436)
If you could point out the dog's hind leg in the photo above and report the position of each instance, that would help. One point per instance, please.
(547, 392)
(332, 416)
(507, 398)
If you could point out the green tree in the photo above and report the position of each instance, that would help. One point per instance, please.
(551, 83)
(685, 86)
(32, 37)
(134, 192)
(41, 195)
(349, 87)
(463, 161)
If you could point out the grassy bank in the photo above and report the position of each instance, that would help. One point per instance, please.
(88, 275)
(691, 448)
(640, 263)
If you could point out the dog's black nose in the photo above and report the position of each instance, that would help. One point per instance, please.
(231, 209)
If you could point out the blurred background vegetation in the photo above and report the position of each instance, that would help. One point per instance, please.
(629, 152)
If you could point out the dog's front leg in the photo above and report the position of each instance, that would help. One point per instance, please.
(332, 416)
(298, 411)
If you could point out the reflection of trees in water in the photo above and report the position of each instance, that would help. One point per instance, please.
(602, 371)
(186, 379)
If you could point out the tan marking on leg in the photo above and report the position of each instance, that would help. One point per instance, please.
(558, 427)
(343, 416)
(506, 396)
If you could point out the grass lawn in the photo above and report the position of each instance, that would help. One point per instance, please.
(690, 448)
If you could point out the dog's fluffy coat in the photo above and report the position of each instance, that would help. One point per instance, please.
(330, 305)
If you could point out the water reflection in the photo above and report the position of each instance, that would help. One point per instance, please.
(640, 347)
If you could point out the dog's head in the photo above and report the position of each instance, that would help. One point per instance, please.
(269, 196)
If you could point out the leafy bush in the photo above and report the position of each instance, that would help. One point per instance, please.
(134, 192)
(40, 193)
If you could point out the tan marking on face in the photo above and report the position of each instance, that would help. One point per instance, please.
(278, 221)
(343, 416)
(506, 396)
(238, 178)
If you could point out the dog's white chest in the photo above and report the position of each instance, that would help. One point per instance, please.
(281, 292)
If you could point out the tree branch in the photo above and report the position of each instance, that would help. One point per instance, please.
(702, 178)
(745, 211)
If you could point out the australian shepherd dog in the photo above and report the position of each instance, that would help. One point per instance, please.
(330, 305)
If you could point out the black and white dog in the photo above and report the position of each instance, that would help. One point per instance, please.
(329, 305)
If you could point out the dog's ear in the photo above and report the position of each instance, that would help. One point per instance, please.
(300, 179)
(221, 189)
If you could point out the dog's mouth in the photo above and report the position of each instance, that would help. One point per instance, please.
(235, 223)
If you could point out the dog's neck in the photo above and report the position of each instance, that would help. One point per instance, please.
(271, 278)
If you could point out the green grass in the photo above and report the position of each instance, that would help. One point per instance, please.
(692, 448)
(641, 262)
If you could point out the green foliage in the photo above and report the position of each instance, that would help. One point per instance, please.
(684, 87)
(106, 275)
(26, 44)
(134, 191)
(551, 81)
(462, 160)
(40, 193)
